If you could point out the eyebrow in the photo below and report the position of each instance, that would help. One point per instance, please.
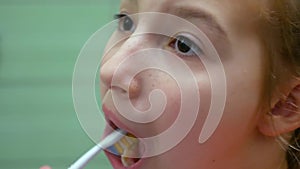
(198, 13)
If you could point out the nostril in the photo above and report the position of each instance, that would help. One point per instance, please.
(120, 79)
(118, 89)
(133, 89)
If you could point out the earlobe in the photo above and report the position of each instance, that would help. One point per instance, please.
(284, 117)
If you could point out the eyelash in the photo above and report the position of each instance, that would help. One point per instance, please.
(179, 39)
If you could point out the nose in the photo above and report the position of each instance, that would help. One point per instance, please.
(118, 75)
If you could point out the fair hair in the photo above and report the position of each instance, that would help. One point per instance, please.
(282, 28)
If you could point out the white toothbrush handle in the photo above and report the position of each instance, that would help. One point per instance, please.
(105, 143)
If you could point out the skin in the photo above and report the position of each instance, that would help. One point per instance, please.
(237, 143)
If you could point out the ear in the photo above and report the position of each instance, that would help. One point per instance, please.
(284, 117)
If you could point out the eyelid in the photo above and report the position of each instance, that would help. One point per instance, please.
(195, 40)
(119, 15)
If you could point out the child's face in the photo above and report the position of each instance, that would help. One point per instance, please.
(231, 26)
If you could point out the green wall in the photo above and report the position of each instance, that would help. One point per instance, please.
(39, 43)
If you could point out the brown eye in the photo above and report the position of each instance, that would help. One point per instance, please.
(125, 23)
(184, 46)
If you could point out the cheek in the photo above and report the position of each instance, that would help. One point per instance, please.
(156, 80)
(190, 144)
(245, 80)
(153, 80)
(244, 99)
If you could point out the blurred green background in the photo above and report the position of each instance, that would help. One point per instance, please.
(39, 43)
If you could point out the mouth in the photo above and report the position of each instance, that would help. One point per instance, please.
(126, 153)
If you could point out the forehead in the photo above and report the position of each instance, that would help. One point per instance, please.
(229, 14)
(219, 9)
(228, 4)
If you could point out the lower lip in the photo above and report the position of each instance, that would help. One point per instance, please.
(117, 164)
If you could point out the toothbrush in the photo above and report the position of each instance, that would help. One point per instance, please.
(122, 145)
(126, 147)
(107, 142)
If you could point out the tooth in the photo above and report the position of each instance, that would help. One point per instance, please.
(129, 154)
(127, 162)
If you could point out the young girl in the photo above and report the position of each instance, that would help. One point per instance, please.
(258, 45)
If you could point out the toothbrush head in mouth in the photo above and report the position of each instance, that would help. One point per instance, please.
(126, 151)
